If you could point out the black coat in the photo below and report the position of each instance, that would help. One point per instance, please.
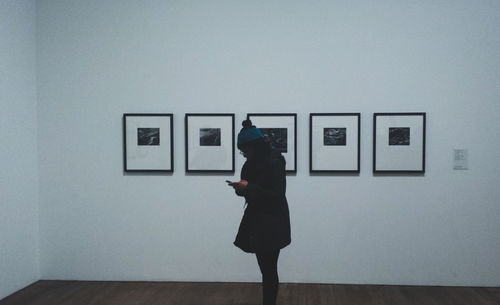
(265, 225)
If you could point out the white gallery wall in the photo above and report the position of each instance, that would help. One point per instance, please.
(100, 59)
(19, 248)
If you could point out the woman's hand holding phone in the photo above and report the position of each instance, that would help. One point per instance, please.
(240, 185)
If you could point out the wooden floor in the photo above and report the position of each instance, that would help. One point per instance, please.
(179, 293)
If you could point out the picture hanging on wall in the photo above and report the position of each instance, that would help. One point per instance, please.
(334, 142)
(148, 144)
(280, 129)
(209, 142)
(399, 142)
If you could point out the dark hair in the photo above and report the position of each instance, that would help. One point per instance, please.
(247, 124)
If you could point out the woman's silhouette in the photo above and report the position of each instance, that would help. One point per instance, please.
(265, 226)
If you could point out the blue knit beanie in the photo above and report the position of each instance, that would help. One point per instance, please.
(248, 133)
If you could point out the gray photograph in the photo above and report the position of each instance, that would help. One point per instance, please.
(334, 136)
(148, 136)
(210, 137)
(399, 135)
(277, 137)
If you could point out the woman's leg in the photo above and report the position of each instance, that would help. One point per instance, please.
(268, 264)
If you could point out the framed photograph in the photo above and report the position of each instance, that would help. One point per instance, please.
(209, 142)
(334, 142)
(148, 144)
(399, 142)
(280, 129)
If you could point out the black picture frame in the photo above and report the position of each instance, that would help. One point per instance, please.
(209, 151)
(400, 148)
(269, 120)
(145, 150)
(341, 150)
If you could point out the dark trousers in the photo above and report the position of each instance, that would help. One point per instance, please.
(268, 264)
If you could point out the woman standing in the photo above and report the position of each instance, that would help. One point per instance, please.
(265, 226)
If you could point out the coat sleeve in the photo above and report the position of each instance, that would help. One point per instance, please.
(272, 193)
(242, 177)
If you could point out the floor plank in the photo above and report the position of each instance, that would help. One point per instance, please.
(184, 293)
